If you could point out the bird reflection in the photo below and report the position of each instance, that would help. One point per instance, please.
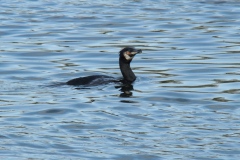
(125, 90)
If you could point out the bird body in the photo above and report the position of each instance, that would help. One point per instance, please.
(91, 80)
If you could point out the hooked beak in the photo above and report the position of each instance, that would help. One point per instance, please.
(135, 51)
(139, 51)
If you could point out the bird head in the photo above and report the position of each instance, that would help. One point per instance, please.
(129, 52)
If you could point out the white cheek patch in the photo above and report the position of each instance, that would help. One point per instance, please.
(127, 57)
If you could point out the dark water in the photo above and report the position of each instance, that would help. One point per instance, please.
(184, 104)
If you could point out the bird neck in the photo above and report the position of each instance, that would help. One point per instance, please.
(126, 70)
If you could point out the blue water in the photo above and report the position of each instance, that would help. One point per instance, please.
(183, 105)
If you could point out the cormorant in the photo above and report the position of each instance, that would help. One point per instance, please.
(125, 57)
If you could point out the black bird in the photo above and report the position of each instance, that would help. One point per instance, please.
(125, 57)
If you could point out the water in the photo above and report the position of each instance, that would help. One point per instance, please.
(184, 103)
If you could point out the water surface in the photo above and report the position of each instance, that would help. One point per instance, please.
(183, 105)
